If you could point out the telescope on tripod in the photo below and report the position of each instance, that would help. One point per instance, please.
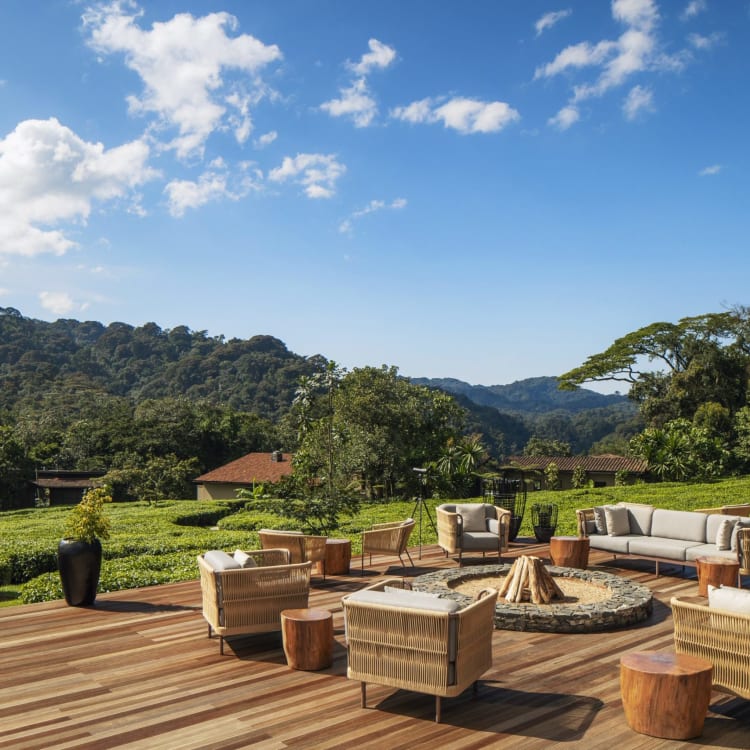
(420, 504)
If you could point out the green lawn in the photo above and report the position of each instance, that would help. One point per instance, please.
(158, 544)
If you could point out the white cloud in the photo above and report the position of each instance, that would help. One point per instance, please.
(710, 170)
(548, 20)
(416, 112)
(566, 117)
(182, 63)
(692, 9)
(703, 42)
(379, 56)
(347, 225)
(467, 116)
(317, 173)
(266, 139)
(636, 51)
(354, 102)
(50, 178)
(214, 184)
(59, 303)
(576, 56)
(639, 99)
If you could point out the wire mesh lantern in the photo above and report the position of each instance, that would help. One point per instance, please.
(509, 494)
(544, 520)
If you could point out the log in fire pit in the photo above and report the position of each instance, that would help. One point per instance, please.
(529, 580)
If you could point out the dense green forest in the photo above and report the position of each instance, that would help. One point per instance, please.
(157, 407)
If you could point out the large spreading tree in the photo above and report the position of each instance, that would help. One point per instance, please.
(690, 381)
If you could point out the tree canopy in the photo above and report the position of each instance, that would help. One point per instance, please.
(690, 380)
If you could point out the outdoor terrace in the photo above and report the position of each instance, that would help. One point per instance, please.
(138, 671)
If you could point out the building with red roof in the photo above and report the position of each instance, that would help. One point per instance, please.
(244, 473)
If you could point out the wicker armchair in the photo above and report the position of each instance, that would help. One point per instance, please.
(721, 637)
(387, 539)
(400, 645)
(472, 527)
(302, 547)
(250, 600)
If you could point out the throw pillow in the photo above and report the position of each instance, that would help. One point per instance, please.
(618, 523)
(724, 533)
(245, 560)
(729, 599)
(742, 523)
(472, 515)
(220, 560)
(600, 520)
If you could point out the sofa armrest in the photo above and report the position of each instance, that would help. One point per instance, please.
(582, 516)
(449, 530)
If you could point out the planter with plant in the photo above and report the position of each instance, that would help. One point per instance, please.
(79, 554)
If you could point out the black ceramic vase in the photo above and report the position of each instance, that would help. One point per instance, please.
(79, 564)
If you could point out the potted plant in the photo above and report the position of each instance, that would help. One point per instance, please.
(79, 554)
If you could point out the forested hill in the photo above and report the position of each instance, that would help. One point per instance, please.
(42, 362)
(257, 375)
(532, 395)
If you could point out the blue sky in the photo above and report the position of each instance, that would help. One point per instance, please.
(487, 190)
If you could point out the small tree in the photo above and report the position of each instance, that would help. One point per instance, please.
(580, 478)
(552, 476)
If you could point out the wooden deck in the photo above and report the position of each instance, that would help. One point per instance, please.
(138, 671)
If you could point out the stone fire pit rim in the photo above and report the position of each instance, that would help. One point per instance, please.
(630, 602)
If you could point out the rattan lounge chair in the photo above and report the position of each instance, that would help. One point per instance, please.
(472, 527)
(387, 539)
(302, 547)
(721, 637)
(250, 600)
(404, 645)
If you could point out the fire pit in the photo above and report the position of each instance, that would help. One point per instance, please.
(592, 600)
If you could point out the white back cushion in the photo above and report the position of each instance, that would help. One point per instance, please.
(729, 599)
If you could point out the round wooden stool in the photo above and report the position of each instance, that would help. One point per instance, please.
(569, 551)
(665, 695)
(716, 571)
(307, 635)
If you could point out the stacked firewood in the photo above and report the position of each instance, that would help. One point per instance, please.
(529, 580)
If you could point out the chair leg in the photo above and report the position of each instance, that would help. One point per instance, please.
(437, 709)
(363, 694)
(221, 645)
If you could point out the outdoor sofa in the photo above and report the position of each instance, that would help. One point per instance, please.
(633, 530)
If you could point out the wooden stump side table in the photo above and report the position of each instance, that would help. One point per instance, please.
(307, 635)
(569, 551)
(665, 695)
(338, 556)
(716, 571)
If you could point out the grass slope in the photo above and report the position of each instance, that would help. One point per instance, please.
(158, 544)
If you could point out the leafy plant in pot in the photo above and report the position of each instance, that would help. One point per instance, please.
(79, 554)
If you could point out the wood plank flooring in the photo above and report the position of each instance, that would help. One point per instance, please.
(137, 671)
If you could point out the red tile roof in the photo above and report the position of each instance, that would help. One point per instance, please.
(254, 467)
(606, 463)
